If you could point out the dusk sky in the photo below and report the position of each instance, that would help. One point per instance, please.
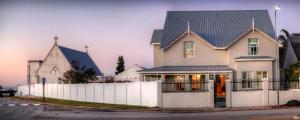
(109, 28)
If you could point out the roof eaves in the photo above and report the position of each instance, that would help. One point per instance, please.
(191, 33)
(248, 31)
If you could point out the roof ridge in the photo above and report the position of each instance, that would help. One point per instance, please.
(214, 10)
(72, 49)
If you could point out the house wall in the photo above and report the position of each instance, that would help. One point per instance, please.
(267, 47)
(204, 54)
(158, 55)
(254, 66)
(56, 59)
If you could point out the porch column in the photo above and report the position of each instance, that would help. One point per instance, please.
(228, 92)
(211, 93)
(265, 87)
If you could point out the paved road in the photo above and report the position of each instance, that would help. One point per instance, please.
(11, 109)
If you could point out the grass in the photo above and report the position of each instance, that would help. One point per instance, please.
(73, 103)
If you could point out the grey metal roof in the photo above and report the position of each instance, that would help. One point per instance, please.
(219, 28)
(83, 58)
(156, 36)
(190, 68)
(254, 57)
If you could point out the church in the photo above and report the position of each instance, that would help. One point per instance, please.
(59, 60)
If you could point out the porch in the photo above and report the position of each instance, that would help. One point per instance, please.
(192, 86)
(210, 86)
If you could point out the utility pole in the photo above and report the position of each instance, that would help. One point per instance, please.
(44, 82)
(277, 8)
(28, 78)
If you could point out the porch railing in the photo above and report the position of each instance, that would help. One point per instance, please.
(185, 87)
(246, 85)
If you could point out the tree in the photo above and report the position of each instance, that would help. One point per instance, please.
(120, 65)
(79, 75)
(292, 72)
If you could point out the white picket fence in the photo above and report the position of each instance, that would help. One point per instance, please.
(133, 93)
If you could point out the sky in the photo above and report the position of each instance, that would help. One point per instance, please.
(109, 28)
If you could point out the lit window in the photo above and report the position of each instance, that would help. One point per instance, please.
(252, 46)
(189, 49)
(261, 75)
(197, 81)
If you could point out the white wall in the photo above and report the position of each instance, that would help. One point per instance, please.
(186, 100)
(247, 98)
(133, 93)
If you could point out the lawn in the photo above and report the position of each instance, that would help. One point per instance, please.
(82, 104)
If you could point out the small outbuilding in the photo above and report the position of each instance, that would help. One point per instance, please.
(130, 74)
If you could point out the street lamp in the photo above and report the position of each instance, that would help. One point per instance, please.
(277, 8)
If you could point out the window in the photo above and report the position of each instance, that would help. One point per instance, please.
(252, 46)
(189, 49)
(197, 81)
(174, 83)
(261, 75)
(179, 80)
(152, 77)
(246, 81)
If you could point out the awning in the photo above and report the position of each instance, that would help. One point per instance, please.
(254, 58)
(188, 69)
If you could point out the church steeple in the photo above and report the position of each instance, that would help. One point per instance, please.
(55, 38)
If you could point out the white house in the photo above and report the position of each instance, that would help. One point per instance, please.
(130, 74)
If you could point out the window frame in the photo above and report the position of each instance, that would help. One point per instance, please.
(262, 74)
(185, 49)
(250, 52)
(246, 81)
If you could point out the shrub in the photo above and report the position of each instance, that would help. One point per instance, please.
(293, 103)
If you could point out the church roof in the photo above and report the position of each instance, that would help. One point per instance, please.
(219, 28)
(82, 57)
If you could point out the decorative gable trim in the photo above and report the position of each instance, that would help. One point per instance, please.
(247, 32)
(193, 34)
(220, 48)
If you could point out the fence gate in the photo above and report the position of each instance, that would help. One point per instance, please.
(220, 91)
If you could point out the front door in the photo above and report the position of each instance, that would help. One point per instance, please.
(220, 91)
